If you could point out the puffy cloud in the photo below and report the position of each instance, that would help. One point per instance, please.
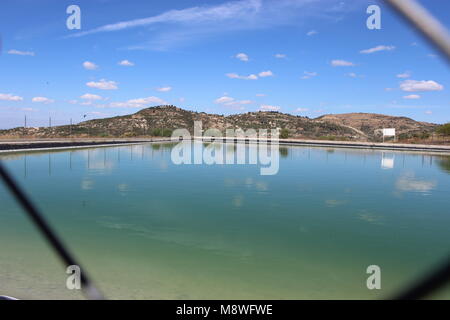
(404, 75)
(311, 33)
(280, 56)
(21, 53)
(224, 99)
(90, 96)
(301, 109)
(414, 85)
(412, 97)
(164, 89)
(267, 73)
(242, 57)
(266, 107)
(126, 63)
(428, 112)
(90, 65)
(10, 97)
(231, 102)
(377, 48)
(136, 103)
(103, 85)
(42, 100)
(236, 76)
(342, 63)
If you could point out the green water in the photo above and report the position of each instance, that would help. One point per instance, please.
(145, 228)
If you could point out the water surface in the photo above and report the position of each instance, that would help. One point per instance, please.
(146, 228)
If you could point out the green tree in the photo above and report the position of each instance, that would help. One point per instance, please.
(444, 129)
(284, 133)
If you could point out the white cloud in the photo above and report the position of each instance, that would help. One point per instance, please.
(428, 112)
(352, 75)
(260, 94)
(200, 21)
(308, 74)
(164, 89)
(267, 73)
(90, 65)
(136, 103)
(231, 102)
(280, 56)
(412, 97)
(21, 53)
(90, 96)
(266, 107)
(404, 75)
(378, 48)
(126, 63)
(42, 100)
(10, 97)
(236, 76)
(301, 109)
(342, 63)
(414, 85)
(224, 99)
(311, 33)
(73, 101)
(242, 57)
(103, 85)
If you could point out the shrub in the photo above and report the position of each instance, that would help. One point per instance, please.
(284, 133)
(444, 129)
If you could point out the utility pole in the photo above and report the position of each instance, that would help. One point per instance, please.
(70, 131)
(25, 125)
(49, 122)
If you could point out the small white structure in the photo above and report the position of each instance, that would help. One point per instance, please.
(388, 132)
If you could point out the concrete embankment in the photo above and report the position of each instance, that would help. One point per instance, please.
(55, 144)
(42, 145)
(345, 144)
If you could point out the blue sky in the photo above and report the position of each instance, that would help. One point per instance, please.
(305, 57)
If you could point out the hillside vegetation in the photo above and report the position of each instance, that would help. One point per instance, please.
(162, 120)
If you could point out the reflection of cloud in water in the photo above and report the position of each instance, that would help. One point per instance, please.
(409, 183)
(369, 217)
(209, 242)
(334, 203)
(123, 187)
(163, 165)
(238, 200)
(261, 186)
(250, 183)
(87, 184)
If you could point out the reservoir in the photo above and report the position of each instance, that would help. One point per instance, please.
(146, 228)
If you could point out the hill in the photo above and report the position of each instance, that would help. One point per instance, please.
(162, 120)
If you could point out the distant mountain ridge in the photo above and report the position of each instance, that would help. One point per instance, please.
(162, 120)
